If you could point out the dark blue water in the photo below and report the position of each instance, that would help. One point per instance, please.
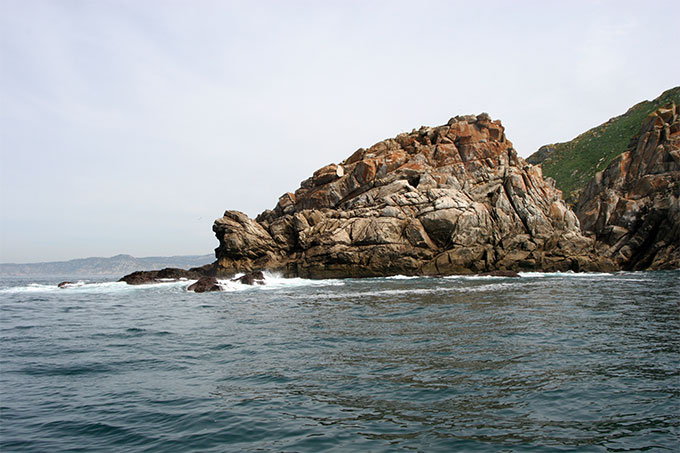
(543, 363)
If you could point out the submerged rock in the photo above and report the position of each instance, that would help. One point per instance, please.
(440, 200)
(633, 206)
(65, 284)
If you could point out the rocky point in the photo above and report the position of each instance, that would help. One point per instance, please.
(439, 200)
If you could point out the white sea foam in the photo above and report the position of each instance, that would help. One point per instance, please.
(79, 286)
(84, 286)
(437, 290)
(567, 274)
(274, 281)
(472, 277)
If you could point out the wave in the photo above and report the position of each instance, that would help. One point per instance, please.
(273, 281)
(474, 277)
(567, 274)
(84, 286)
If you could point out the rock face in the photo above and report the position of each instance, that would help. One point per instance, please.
(574, 163)
(633, 206)
(439, 200)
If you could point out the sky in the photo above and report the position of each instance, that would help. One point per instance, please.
(130, 126)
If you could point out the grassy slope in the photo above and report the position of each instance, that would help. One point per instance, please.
(573, 164)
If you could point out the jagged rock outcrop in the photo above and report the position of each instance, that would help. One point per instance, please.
(439, 200)
(633, 206)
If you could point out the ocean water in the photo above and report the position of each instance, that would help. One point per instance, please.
(546, 362)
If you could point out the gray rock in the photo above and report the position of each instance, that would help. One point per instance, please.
(438, 200)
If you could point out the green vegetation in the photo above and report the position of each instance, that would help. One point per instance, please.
(573, 164)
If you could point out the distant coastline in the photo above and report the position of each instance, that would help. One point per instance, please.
(114, 266)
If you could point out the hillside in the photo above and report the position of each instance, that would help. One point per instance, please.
(97, 266)
(573, 164)
(633, 206)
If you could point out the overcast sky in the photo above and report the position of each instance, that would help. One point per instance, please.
(129, 126)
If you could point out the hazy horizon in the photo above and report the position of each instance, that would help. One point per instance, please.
(128, 127)
(109, 257)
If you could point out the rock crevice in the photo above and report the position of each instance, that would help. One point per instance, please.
(633, 206)
(439, 200)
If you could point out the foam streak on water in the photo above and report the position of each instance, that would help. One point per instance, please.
(546, 362)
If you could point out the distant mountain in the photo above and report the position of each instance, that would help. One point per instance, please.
(118, 265)
(573, 164)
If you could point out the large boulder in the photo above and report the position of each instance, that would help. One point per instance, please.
(439, 200)
(633, 206)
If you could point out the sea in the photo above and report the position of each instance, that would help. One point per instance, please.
(542, 363)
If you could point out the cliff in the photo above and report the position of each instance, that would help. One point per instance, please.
(633, 206)
(440, 200)
(574, 163)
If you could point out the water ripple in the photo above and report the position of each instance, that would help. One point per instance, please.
(547, 362)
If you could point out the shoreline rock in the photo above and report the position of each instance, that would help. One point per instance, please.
(458, 200)
(452, 199)
(206, 280)
(251, 278)
(204, 285)
(168, 274)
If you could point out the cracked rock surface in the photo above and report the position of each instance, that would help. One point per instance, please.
(633, 206)
(439, 200)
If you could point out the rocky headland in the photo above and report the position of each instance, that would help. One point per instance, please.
(457, 199)
(632, 207)
(452, 199)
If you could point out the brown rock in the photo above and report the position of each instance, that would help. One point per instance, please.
(167, 274)
(632, 207)
(251, 278)
(140, 278)
(439, 200)
(205, 284)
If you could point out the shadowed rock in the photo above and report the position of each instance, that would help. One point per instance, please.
(167, 274)
(205, 284)
(251, 278)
